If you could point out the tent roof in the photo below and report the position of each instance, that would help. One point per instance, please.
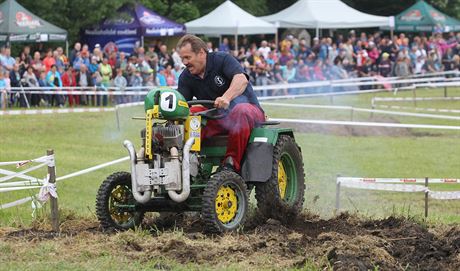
(324, 14)
(137, 21)
(229, 19)
(424, 17)
(16, 21)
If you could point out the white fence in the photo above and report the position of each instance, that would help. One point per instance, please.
(408, 185)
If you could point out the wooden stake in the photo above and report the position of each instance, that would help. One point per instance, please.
(53, 200)
(426, 197)
(337, 196)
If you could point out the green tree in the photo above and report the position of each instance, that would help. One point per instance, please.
(72, 15)
(393, 7)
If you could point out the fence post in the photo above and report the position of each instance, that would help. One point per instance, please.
(426, 197)
(337, 195)
(118, 117)
(415, 97)
(445, 91)
(53, 200)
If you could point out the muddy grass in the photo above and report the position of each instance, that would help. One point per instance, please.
(342, 243)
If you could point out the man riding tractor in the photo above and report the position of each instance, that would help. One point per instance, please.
(185, 140)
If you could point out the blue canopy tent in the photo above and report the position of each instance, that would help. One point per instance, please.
(129, 26)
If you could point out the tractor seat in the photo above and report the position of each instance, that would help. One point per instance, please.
(215, 141)
(266, 123)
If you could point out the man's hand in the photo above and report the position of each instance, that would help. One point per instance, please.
(222, 102)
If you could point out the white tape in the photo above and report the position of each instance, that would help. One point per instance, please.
(418, 108)
(445, 195)
(397, 180)
(9, 177)
(411, 99)
(56, 111)
(48, 159)
(81, 172)
(47, 190)
(357, 109)
(9, 189)
(385, 186)
(22, 176)
(22, 183)
(27, 199)
(376, 124)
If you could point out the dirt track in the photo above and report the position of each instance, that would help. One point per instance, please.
(342, 243)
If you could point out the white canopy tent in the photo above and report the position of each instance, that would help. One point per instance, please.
(229, 19)
(326, 14)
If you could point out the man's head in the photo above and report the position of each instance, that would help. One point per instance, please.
(193, 52)
(77, 46)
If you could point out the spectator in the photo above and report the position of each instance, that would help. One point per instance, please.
(177, 72)
(121, 83)
(385, 66)
(106, 73)
(31, 81)
(83, 79)
(224, 47)
(69, 80)
(49, 60)
(53, 79)
(76, 49)
(6, 60)
(169, 76)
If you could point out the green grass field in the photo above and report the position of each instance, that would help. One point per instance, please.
(82, 140)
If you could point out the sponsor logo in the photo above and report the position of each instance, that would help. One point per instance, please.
(148, 18)
(219, 80)
(408, 180)
(368, 180)
(122, 19)
(413, 15)
(437, 16)
(25, 20)
(450, 180)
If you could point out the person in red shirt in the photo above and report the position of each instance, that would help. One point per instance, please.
(49, 60)
(68, 80)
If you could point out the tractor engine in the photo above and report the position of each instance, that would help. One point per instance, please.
(162, 165)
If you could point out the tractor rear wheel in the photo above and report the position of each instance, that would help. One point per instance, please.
(114, 203)
(282, 196)
(225, 202)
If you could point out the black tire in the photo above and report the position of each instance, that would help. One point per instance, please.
(108, 215)
(232, 206)
(270, 200)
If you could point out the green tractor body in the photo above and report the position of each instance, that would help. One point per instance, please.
(174, 171)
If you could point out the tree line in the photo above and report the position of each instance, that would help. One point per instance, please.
(74, 15)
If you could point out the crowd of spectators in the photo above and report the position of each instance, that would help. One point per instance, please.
(101, 69)
(296, 60)
(364, 55)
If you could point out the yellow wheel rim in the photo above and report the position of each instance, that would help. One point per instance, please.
(282, 180)
(118, 196)
(226, 204)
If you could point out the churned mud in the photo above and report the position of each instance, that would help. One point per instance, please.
(341, 243)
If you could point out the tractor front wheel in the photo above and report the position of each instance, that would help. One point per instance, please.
(282, 196)
(225, 202)
(115, 203)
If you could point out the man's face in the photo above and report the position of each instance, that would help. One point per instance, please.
(195, 63)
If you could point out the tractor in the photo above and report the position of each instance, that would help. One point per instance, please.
(175, 170)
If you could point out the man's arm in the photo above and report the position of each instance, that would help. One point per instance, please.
(237, 87)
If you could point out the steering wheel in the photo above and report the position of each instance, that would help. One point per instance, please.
(212, 113)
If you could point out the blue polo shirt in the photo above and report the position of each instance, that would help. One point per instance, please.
(220, 69)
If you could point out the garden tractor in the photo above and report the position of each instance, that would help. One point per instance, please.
(174, 170)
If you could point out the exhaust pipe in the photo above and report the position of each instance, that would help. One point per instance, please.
(185, 174)
(138, 196)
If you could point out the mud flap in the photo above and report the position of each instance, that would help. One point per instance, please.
(257, 165)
